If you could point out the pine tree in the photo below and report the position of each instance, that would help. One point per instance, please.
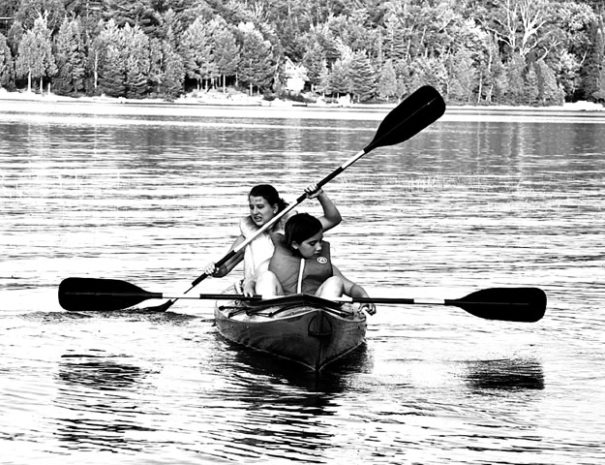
(196, 50)
(599, 94)
(462, 76)
(324, 79)
(174, 72)
(35, 58)
(14, 36)
(256, 66)
(394, 47)
(156, 65)
(341, 77)
(531, 93)
(387, 81)
(136, 50)
(226, 53)
(591, 70)
(166, 72)
(515, 81)
(112, 78)
(363, 77)
(490, 65)
(109, 54)
(551, 93)
(7, 65)
(326, 42)
(70, 58)
(314, 61)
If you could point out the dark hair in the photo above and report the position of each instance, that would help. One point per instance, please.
(270, 194)
(301, 227)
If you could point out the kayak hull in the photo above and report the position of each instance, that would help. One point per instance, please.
(306, 330)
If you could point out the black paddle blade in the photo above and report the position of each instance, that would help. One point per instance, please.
(416, 112)
(525, 304)
(89, 294)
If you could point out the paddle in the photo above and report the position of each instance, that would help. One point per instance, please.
(411, 116)
(525, 304)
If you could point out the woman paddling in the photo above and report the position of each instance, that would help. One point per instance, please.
(265, 203)
(301, 263)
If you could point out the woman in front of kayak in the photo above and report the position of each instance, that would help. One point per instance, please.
(265, 203)
(301, 263)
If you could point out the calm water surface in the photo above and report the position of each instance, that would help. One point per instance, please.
(464, 205)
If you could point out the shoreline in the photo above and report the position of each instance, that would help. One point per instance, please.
(220, 105)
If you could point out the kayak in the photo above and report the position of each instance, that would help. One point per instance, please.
(304, 329)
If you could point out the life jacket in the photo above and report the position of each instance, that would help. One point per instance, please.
(258, 253)
(299, 275)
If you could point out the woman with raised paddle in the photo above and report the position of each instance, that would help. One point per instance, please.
(265, 203)
(301, 263)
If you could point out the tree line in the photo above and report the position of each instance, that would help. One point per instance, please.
(531, 52)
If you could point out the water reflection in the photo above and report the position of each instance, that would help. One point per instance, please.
(278, 409)
(96, 394)
(331, 381)
(505, 374)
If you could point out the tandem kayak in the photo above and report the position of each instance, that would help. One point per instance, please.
(304, 329)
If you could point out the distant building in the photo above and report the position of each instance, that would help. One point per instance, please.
(296, 76)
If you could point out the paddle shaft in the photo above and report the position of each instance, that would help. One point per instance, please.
(410, 301)
(144, 295)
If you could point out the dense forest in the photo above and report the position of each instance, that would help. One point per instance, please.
(530, 52)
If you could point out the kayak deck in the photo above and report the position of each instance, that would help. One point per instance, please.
(304, 329)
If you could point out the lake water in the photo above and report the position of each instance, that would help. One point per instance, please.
(472, 202)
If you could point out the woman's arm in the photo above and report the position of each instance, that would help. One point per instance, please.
(226, 268)
(331, 216)
(355, 290)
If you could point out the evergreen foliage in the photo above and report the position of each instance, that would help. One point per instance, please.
(6, 65)
(341, 77)
(111, 61)
(550, 93)
(35, 58)
(197, 52)
(314, 60)
(137, 59)
(387, 82)
(536, 52)
(70, 59)
(226, 53)
(462, 77)
(363, 78)
(173, 73)
(256, 67)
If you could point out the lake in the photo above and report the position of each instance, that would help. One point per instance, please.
(150, 195)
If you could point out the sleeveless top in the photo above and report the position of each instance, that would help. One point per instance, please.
(258, 253)
(299, 275)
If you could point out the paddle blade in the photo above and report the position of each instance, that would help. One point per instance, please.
(89, 294)
(525, 304)
(412, 115)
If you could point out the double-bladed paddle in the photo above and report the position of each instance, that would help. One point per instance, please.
(524, 304)
(412, 115)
